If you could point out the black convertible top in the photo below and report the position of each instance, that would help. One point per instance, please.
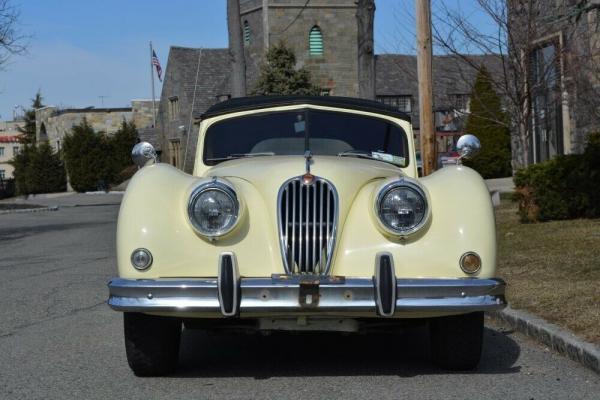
(258, 102)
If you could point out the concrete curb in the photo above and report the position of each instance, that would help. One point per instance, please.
(29, 210)
(558, 339)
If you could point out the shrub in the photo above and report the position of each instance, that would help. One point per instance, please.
(7, 188)
(95, 161)
(39, 170)
(564, 187)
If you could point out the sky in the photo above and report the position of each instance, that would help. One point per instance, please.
(85, 53)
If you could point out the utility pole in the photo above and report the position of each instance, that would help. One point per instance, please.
(236, 49)
(424, 73)
(365, 15)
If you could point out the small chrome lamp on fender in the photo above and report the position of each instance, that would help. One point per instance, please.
(143, 154)
(401, 207)
(213, 208)
(468, 146)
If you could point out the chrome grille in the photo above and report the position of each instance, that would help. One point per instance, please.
(307, 225)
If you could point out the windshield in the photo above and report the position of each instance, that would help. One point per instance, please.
(327, 133)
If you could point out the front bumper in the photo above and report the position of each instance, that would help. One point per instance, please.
(290, 296)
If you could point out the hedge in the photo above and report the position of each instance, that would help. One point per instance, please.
(564, 187)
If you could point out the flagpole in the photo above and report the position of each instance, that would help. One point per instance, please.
(152, 79)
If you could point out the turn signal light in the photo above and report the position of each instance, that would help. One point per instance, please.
(470, 262)
(141, 259)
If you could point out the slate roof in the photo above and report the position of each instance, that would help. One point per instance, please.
(213, 67)
(10, 139)
(396, 74)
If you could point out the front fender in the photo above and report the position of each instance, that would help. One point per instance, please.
(153, 215)
(462, 219)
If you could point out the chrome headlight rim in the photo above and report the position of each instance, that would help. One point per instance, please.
(411, 185)
(219, 185)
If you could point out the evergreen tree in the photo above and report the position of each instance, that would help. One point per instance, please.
(46, 171)
(279, 76)
(87, 156)
(485, 122)
(39, 170)
(28, 131)
(121, 144)
(21, 163)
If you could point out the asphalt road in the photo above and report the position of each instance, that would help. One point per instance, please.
(59, 340)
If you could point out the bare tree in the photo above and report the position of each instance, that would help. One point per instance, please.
(12, 42)
(236, 49)
(365, 15)
(525, 73)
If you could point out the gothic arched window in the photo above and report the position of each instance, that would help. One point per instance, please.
(315, 41)
(246, 33)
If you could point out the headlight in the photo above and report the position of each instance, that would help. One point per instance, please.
(213, 209)
(402, 207)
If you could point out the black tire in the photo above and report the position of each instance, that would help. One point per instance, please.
(456, 341)
(151, 343)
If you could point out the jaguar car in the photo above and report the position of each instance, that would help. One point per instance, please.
(304, 214)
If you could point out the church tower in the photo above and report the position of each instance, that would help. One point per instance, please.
(322, 34)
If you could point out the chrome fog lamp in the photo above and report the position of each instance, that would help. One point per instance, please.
(401, 207)
(141, 259)
(213, 209)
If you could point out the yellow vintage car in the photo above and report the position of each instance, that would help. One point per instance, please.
(304, 214)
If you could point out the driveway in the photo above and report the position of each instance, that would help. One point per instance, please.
(58, 339)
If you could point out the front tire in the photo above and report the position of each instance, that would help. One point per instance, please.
(151, 343)
(456, 341)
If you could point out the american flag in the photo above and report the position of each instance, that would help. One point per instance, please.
(156, 63)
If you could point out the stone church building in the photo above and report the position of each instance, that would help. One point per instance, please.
(324, 37)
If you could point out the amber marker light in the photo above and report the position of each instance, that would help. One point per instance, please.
(470, 262)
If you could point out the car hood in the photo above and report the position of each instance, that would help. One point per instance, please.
(268, 170)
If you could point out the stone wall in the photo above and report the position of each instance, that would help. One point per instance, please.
(290, 21)
(52, 123)
(142, 113)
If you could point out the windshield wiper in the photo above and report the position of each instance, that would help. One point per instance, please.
(242, 155)
(374, 155)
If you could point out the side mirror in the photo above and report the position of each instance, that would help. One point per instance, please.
(468, 146)
(143, 154)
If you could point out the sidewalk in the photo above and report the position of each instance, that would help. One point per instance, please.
(500, 185)
(68, 199)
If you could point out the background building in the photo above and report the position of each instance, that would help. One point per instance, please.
(323, 36)
(562, 49)
(9, 146)
(53, 123)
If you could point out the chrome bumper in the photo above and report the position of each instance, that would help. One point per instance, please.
(352, 297)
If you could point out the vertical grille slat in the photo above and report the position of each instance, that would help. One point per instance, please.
(314, 230)
(306, 227)
(321, 266)
(307, 215)
(301, 225)
(293, 230)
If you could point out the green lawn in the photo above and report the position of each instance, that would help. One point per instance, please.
(552, 269)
